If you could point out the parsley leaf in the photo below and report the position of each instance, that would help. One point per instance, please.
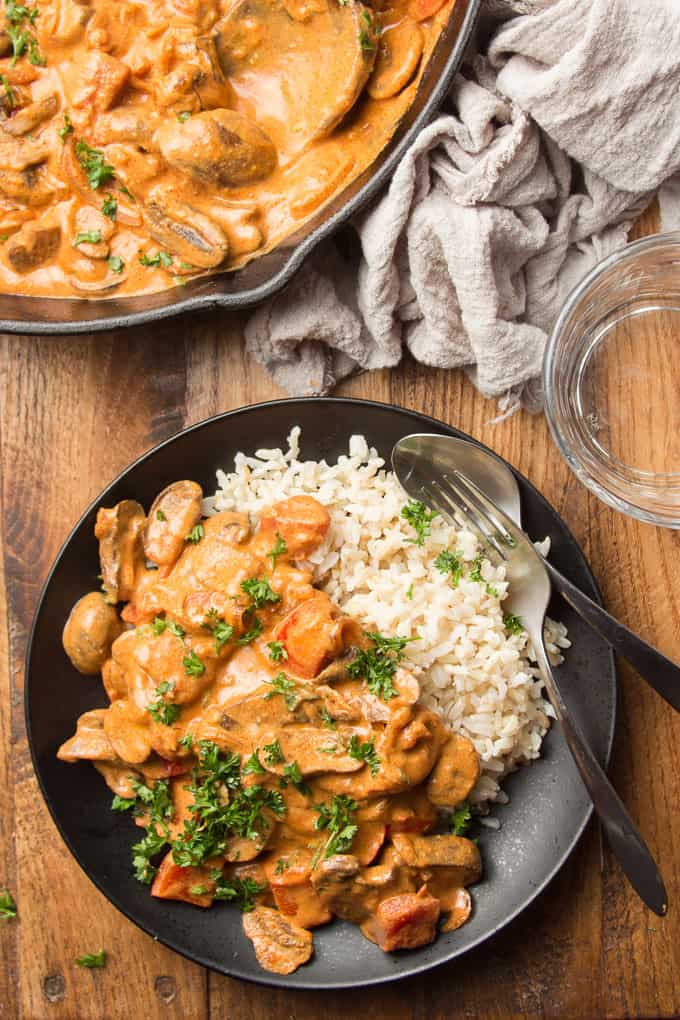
(278, 549)
(66, 129)
(110, 207)
(192, 664)
(123, 803)
(277, 651)
(160, 516)
(461, 819)
(378, 665)
(222, 631)
(273, 755)
(242, 891)
(92, 960)
(365, 752)
(254, 632)
(8, 907)
(293, 775)
(337, 818)
(420, 518)
(260, 592)
(281, 865)
(513, 624)
(156, 804)
(452, 564)
(328, 720)
(253, 765)
(476, 575)
(196, 534)
(92, 161)
(9, 91)
(88, 237)
(283, 685)
(160, 710)
(184, 115)
(161, 258)
(116, 264)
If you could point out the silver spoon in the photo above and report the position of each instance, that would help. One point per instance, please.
(451, 492)
(497, 481)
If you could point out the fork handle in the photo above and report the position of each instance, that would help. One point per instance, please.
(659, 672)
(625, 840)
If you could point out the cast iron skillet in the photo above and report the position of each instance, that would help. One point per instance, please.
(548, 809)
(265, 275)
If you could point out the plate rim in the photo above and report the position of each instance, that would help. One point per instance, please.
(267, 979)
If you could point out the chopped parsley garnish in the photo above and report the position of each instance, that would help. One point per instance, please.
(366, 34)
(88, 237)
(110, 207)
(365, 752)
(253, 766)
(123, 803)
(328, 720)
(278, 549)
(192, 664)
(273, 755)
(254, 632)
(409, 591)
(161, 258)
(283, 685)
(337, 818)
(160, 516)
(92, 161)
(378, 665)
(452, 564)
(9, 92)
(198, 890)
(476, 575)
(222, 808)
(420, 518)
(293, 775)
(513, 624)
(8, 907)
(221, 631)
(281, 865)
(162, 711)
(241, 891)
(92, 960)
(156, 804)
(187, 741)
(196, 534)
(116, 264)
(160, 624)
(23, 42)
(461, 819)
(66, 129)
(184, 115)
(259, 591)
(277, 651)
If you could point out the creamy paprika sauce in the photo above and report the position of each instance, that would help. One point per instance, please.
(144, 142)
(272, 752)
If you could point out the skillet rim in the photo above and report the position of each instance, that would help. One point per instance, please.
(266, 978)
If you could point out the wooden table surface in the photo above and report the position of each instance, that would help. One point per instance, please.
(73, 413)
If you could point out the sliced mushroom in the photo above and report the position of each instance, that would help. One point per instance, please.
(28, 118)
(125, 124)
(128, 737)
(399, 52)
(35, 186)
(173, 514)
(455, 773)
(279, 946)
(107, 282)
(219, 147)
(19, 153)
(325, 57)
(191, 235)
(90, 741)
(90, 630)
(34, 244)
(120, 552)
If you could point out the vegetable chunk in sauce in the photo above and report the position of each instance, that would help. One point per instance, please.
(273, 754)
(204, 133)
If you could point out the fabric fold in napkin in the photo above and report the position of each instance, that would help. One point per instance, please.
(551, 142)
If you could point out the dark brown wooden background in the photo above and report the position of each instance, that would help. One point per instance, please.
(74, 412)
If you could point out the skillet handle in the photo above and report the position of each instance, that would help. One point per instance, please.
(659, 672)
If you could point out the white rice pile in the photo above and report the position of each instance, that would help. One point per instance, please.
(475, 674)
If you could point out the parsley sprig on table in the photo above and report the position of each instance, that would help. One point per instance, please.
(420, 518)
(8, 907)
(92, 960)
(378, 665)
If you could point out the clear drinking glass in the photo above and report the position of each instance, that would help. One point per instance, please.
(612, 380)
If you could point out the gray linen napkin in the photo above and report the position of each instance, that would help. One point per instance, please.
(551, 143)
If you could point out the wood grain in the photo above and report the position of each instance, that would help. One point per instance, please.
(73, 413)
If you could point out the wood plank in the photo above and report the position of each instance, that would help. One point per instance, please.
(76, 412)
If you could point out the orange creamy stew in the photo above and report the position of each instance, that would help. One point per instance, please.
(143, 142)
(273, 753)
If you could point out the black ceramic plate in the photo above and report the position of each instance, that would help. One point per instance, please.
(267, 274)
(548, 809)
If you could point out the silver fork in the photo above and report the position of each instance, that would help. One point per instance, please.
(455, 496)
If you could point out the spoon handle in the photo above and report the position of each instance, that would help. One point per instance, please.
(626, 842)
(659, 672)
